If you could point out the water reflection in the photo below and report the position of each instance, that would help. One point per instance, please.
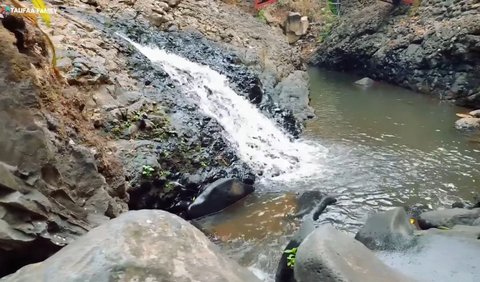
(386, 147)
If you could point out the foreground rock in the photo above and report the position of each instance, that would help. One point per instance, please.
(432, 48)
(329, 255)
(285, 273)
(217, 196)
(449, 218)
(387, 230)
(143, 245)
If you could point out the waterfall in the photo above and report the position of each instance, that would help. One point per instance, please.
(257, 140)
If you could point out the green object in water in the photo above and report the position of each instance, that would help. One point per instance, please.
(292, 253)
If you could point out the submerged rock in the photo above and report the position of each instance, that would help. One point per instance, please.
(148, 245)
(448, 217)
(329, 255)
(217, 196)
(387, 230)
(365, 81)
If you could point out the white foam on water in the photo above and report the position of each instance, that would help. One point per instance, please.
(258, 141)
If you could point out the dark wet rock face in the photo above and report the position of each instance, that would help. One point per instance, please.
(195, 139)
(138, 246)
(432, 49)
(196, 48)
(217, 196)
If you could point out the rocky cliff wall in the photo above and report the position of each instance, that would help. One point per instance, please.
(433, 48)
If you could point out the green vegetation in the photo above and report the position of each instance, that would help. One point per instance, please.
(261, 16)
(332, 7)
(328, 19)
(147, 171)
(292, 253)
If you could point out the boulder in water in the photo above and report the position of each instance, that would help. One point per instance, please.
(387, 230)
(219, 195)
(147, 245)
(329, 255)
(467, 123)
(366, 81)
(293, 93)
(448, 217)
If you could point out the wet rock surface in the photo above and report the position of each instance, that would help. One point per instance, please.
(331, 255)
(387, 230)
(118, 133)
(217, 196)
(432, 48)
(121, 250)
(448, 217)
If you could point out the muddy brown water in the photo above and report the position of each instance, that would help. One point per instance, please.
(387, 147)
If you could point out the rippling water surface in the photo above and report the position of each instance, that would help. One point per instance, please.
(386, 147)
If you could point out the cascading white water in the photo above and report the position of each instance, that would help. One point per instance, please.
(256, 138)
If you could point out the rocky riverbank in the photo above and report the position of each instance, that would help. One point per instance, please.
(114, 132)
(430, 47)
(388, 247)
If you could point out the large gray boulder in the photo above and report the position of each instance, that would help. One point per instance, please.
(387, 230)
(448, 217)
(293, 94)
(146, 245)
(329, 255)
(217, 196)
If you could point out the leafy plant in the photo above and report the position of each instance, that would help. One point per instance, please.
(333, 6)
(261, 16)
(328, 18)
(292, 253)
(147, 170)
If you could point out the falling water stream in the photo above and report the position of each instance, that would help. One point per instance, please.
(372, 148)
